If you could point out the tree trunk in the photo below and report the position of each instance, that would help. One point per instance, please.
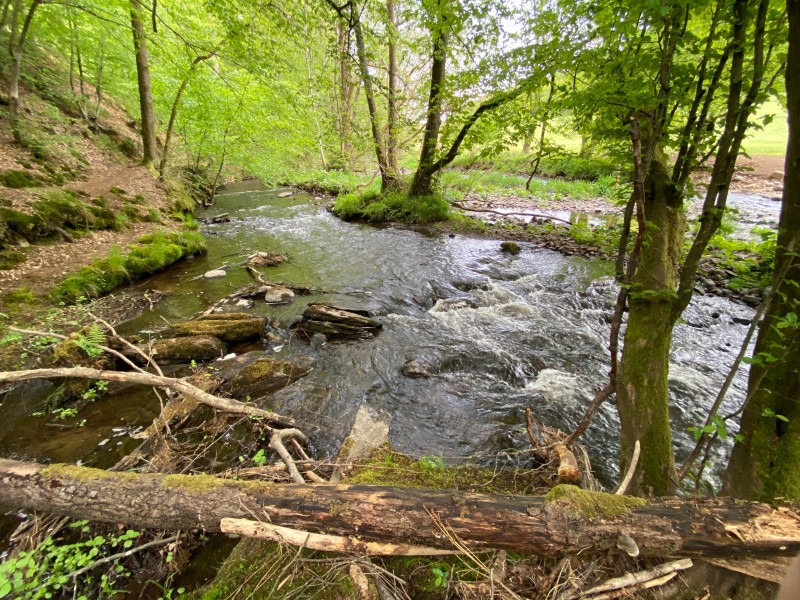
(388, 177)
(162, 167)
(765, 464)
(17, 47)
(345, 97)
(150, 152)
(567, 521)
(393, 146)
(642, 394)
(423, 182)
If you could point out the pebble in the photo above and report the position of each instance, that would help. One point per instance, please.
(215, 273)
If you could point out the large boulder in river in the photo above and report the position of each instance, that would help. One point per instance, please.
(255, 374)
(185, 349)
(333, 322)
(229, 327)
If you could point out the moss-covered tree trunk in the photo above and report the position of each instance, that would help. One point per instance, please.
(424, 178)
(765, 464)
(642, 394)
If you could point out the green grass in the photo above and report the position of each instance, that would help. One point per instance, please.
(393, 206)
(771, 140)
(493, 182)
(569, 166)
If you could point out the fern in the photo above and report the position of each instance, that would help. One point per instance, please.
(91, 342)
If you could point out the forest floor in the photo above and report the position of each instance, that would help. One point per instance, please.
(64, 156)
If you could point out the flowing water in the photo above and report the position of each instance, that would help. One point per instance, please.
(496, 332)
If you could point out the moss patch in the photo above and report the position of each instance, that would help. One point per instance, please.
(592, 505)
(510, 248)
(153, 253)
(22, 295)
(235, 328)
(393, 206)
(386, 466)
(60, 470)
(10, 259)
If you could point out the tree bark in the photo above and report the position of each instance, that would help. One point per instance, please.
(565, 522)
(389, 180)
(17, 47)
(150, 149)
(765, 464)
(423, 182)
(642, 394)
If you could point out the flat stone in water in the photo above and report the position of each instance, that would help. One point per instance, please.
(285, 194)
(215, 273)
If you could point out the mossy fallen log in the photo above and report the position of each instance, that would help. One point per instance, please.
(566, 521)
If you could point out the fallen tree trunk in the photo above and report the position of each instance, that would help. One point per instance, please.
(565, 522)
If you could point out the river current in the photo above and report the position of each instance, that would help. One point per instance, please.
(496, 333)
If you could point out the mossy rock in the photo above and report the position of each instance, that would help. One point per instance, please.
(233, 327)
(18, 179)
(512, 248)
(186, 349)
(257, 375)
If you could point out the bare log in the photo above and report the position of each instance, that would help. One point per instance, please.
(566, 521)
(178, 385)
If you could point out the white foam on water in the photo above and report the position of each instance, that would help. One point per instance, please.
(558, 387)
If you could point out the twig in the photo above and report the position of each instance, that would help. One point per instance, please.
(147, 357)
(637, 448)
(633, 579)
(276, 443)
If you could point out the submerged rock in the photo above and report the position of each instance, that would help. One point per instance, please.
(266, 259)
(229, 327)
(215, 274)
(255, 374)
(277, 294)
(332, 321)
(285, 194)
(185, 349)
(416, 370)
